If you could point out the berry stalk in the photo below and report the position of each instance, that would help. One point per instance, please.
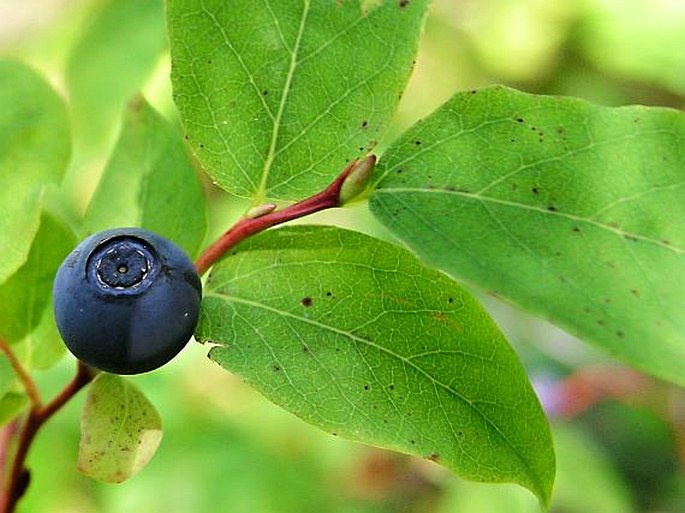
(250, 225)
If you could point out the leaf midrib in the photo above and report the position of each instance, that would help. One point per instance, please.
(268, 162)
(489, 199)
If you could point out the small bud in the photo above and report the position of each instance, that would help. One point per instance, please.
(260, 210)
(357, 180)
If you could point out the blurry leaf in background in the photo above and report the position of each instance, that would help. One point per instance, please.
(517, 40)
(567, 209)
(11, 405)
(275, 106)
(120, 430)
(43, 346)
(150, 182)
(355, 336)
(637, 39)
(119, 46)
(586, 482)
(34, 149)
(26, 294)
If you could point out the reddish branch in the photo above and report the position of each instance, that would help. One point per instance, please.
(328, 198)
(18, 477)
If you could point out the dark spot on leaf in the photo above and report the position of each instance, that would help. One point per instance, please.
(305, 349)
(630, 237)
(366, 387)
(202, 145)
(450, 299)
(265, 92)
(276, 367)
(473, 91)
(576, 229)
(666, 242)
(535, 190)
(533, 129)
(403, 3)
(520, 120)
(334, 434)
(391, 387)
(413, 442)
(433, 457)
(365, 123)
(307, 301)
(329, 294)
(186, 137)
(552, 208)
(399, 171)
(417, 143)
(635, 292)
(209, 61)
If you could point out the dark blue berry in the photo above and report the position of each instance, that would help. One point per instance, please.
(126, 301)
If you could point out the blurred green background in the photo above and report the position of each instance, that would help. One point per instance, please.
(620, 436)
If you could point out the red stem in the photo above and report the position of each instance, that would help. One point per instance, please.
(38, 415)
(328, 198)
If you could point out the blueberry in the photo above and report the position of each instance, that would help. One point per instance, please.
(126, 301)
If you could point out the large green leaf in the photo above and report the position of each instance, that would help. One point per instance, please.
(27, 292)
(573, 211)
(120, 44)
(120, 430)
(34, 149)
(277, 96)
(355, 336)
(150, 182)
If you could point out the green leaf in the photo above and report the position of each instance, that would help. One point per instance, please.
(26, 293)
(11, 405)
(120, 430)
(150, 182)
(43, 346)
(355, 336)
(276, 97)
(119, 47)
(34, 150)
(571, 210)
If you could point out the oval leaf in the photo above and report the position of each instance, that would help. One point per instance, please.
(571, 210)
(276, 104)
(355, 336)
(150, 182)
(120, 430)
(34, 150)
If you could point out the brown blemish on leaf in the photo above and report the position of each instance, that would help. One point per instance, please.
(307, 301)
